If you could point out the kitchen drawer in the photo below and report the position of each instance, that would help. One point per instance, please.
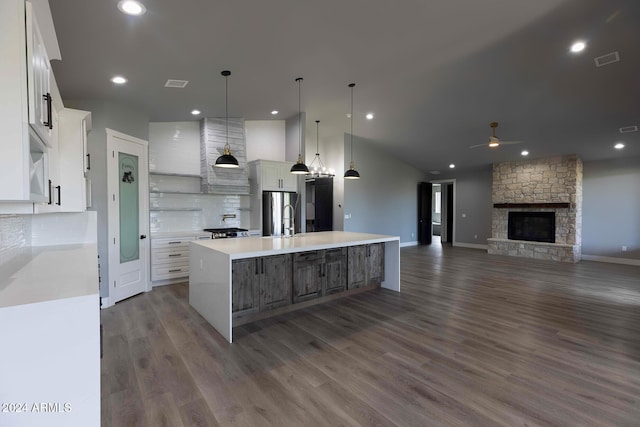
(164, 244)
(169, 271)
(169, 256)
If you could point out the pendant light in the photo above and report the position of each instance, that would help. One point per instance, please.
(319, 170)
(226, 160)
(352, 173)
(299, 168)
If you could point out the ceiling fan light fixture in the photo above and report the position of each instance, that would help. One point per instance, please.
(226, 160)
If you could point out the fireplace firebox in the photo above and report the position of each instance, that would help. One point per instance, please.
(532, 226)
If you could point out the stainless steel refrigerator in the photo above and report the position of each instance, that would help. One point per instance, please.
(280, 213)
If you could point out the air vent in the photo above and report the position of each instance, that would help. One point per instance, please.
(628, 129)
(607, 59)
(176, 83)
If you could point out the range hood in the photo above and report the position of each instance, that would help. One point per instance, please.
(212, 141)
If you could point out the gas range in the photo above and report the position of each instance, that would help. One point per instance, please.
(225, 233)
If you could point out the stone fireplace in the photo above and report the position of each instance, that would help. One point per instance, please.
(552, 185)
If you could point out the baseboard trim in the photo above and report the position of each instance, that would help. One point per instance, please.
(105, 302)
(414, 243)
(611, 260)
(471, 245)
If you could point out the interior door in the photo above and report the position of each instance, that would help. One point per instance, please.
(127, 172)
(424, 213)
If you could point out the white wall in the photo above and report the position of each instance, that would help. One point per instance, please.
(385, 199)
(265, 139)
(174, 147)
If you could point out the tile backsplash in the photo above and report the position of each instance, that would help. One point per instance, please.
(15, 235)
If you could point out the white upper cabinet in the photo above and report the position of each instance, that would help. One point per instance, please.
(276, 176)
(73, 158)
(40, 102)
(27, 112)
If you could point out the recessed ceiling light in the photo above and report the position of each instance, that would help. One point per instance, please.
(274, 112)
(369, 116)
(578, 46)
(195, 112)
(119, 80)
(452, 166)
(131, 7)
(525, 153)
(434, 172)
(619, 146)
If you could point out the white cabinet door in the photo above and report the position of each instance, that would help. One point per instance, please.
(276, 176)
(289, 180)
(38, 80)
(271, 176)
(72, 139)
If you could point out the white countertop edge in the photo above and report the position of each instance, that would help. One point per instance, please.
(240, 248)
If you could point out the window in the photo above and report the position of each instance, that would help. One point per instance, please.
(437, 205)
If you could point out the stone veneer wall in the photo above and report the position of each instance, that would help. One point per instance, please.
(551, 180)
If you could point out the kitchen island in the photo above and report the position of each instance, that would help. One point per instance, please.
(228, 277)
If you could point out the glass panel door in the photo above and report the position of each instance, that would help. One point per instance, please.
(129, 221)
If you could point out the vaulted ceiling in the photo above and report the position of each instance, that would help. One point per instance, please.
(434, 73)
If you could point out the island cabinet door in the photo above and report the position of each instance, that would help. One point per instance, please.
(375, 264)
(357, 273)
(245, 286)
(276, 281)
(335, 271)
(307, 275)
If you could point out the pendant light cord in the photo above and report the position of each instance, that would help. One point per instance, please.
(351, 86)
(226, 107)
(317, 136)
(299, 80)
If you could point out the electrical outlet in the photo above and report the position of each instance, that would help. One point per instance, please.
(475, 236)
(413, 234)
(347, 216)
(624, 249)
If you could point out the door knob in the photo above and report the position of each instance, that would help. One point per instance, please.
(143, 236)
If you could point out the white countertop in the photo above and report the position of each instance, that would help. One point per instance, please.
(44, 273)
(249, 247)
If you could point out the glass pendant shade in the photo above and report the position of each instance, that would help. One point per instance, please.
(351, 173)
(226, 160)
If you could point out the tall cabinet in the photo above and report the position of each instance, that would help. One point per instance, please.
(29, 112)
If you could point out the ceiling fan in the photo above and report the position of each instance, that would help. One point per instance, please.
(493, 139)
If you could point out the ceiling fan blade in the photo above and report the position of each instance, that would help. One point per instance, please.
(480, 145)
(510, 142)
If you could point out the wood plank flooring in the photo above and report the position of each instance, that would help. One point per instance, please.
(472, 340)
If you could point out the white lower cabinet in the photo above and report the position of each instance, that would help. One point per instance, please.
(170, 258)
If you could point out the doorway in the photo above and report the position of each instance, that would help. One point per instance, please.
(442, 205)
(128, 215)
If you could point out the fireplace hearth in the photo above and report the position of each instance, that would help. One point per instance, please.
(532, 226)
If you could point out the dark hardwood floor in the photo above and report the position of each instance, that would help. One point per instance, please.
(472, 340)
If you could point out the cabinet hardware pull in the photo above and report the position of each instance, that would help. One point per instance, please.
(174, 243)
(175, 254)
(256, 261)
(49, 122)
(88, 161)
(319, 270)
(59, 188)
(262, 265)
(50, 193)
(175, 270)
